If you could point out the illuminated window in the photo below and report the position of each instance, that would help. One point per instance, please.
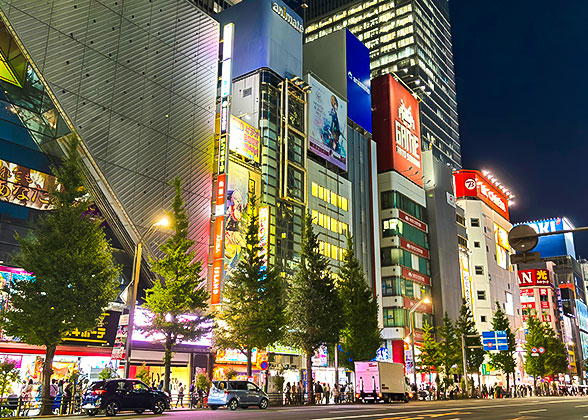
(345, 204)
(315, 216)
(315, 188)
(334, 199)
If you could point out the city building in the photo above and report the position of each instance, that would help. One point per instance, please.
(349, 161)
(493, 279)
(559, 249)
(403, 226)
(448, 240)
(485, 203)
(139, 93)
(260, 147)
(411, 38)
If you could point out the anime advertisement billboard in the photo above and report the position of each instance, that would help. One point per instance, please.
(241, 182)
(328, 124)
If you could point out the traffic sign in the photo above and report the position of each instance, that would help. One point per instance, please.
(264, 365)
(541, 350)
(495, 340)
(534, 350)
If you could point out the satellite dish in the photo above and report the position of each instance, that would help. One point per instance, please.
(523, 238)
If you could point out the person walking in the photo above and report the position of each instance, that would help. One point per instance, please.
(336, 394)
(287, 400)
(180, 399)
(327, 389)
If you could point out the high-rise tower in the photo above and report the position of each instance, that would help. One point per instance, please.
(411, 38)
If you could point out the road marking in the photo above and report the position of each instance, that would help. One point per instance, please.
(586, 417)
(583, 405)
(447, 414)
(533, 401)
(533, 411)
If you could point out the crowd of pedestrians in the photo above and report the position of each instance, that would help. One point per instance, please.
(324, 393)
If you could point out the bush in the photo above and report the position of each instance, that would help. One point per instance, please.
(230, 374)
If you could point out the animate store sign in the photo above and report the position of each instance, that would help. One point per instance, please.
(474, 184)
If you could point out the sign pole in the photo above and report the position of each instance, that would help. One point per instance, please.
(465, 363)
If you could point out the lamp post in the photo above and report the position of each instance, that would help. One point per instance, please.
(134, 286)
(425, 300)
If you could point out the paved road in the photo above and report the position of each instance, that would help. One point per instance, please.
(556, 408)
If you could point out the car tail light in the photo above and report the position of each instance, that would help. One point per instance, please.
(99, 392)
(227, 392)
(356, 395)
(380, 395)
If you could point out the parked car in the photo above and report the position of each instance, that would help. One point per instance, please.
(234, 394)
(116, 395)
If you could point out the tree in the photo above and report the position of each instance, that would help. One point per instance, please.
(429, 359)
(74, 276)
(254, 315)
(553, 360)
(8, 373)
(178, 302)
(449, 350)
(360, 337)
(504, 359)
(313, 302)
(466, 326)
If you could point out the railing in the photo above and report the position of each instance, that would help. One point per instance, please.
(14, 406)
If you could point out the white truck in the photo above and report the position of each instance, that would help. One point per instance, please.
(381, 381)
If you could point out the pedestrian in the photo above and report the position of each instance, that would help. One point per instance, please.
(160, 386)
(293, 394)
(27, 396)
(327, 393)
(336, 395)
(300, 393)
(288, 393)
(66, 399)
(318, 391)
(180, 399)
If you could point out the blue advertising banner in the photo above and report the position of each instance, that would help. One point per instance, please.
(359, 98)
(554, 245)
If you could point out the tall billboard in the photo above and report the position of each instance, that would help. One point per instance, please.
(241, 183)
(397, 129)
(554, 245)
(470, 183)
(24, 186)
(327, 123)
(358, 82)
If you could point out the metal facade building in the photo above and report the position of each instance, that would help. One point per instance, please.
(136, 82)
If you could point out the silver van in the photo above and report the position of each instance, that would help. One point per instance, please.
(236, 394)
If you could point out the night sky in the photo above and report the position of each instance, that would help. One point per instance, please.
(522, 88)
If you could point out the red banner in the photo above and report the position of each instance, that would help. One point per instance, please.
(426, 308)
(473, 184)
(218, 237)
(413, 221)
(221, 190)
(415, 276)
(415, 249)
(527, 292)
(544, 305)
(217, 268)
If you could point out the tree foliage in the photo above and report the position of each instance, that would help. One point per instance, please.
(553, 360)
(74, 277)
(178, 302)
(466, 326)
(9, 373)
(254, 314)
(504, 359)
(430, 358)
(360, 337)
(313, 301)
(449, 349)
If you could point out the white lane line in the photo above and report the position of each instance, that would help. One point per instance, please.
(461, 407)
(586, 417)
(533, 411)
(583, 405)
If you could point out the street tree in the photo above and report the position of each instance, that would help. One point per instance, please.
(254, 314)
(465, 326)
(429, 360)
(313, 302)
(360, 337)
(9, 373)
(73, 278)
(449, 350)
(504, 359)
(178, 302)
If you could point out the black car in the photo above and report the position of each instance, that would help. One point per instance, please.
(117, 395)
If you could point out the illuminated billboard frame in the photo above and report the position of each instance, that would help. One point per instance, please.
(244, 139)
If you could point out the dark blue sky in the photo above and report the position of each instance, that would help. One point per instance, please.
(522, 88)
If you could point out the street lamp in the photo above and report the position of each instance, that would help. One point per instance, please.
(426, 301)
(163, 222)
